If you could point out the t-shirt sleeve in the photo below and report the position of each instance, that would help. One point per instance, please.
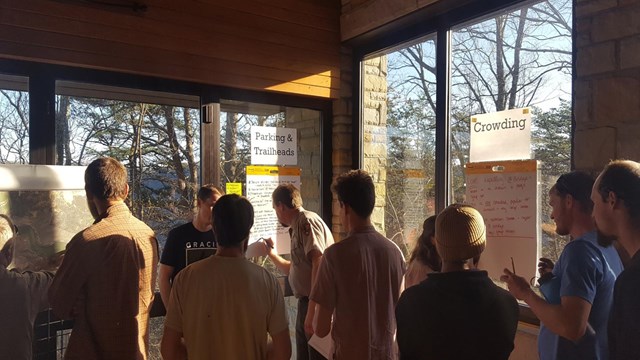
(173, 319)
(312, 233)
(171, 252)
(325, 292)
(582, 271)
(278, 316)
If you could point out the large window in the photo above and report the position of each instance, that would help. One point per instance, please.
(399, 109)
(520, 57)
(14, 119)
(515, 59)
(155, 135)
(236, 120)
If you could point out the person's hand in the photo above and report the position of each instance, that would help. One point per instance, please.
(545, 269)
(518, 286)
(269, 244)
(308, 324)
(545, 266)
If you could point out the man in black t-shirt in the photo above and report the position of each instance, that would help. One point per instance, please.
(189, 239)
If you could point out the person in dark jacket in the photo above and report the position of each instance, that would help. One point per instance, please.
(458, 313)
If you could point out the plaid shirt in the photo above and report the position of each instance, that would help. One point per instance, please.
(106, 284)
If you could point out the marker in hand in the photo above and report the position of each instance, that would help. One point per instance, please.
(513, 266)
(266, 243)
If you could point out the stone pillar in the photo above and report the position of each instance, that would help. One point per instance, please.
(341, 133)
(307, 122)
(607, 82)
(374, 103)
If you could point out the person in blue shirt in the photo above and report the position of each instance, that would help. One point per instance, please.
(578, 291)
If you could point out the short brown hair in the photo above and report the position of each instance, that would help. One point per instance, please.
(288, 195)
(208, 190)
(355, 188)
(622, 177)
(106, 179)
(232, 220)
(578, 184)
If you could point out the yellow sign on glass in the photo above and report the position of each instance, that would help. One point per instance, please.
(234, 188)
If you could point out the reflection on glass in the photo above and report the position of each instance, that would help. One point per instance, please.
(236, 120)
(519, 58)
(159, 145)
(399, 90)
(14, 120)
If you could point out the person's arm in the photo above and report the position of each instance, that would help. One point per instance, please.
(66, 289)
(323, 325)
(568, 319)
(39, 283)
(165, 283)
(280, 346)
(171, 346)
(315, 257)
(281, 263)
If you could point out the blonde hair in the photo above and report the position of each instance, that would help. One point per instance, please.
(7, 229)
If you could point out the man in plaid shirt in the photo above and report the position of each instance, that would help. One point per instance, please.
(107, 278)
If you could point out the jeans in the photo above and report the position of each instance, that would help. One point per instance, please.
(303, 350)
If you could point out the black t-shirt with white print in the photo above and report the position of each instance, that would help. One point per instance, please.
(185, 241)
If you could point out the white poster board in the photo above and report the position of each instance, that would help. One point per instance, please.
(48, 205)
(273, 146)
(261, 181)
(502, 135)
(506, 194)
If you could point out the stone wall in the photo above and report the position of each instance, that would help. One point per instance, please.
(342, 134)
(308, 124)
(607, 82)
(374, 109)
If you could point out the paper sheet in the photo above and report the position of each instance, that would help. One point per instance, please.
(323, 345)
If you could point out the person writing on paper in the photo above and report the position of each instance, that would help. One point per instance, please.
(310, 236)
(360, 278)
(224, 306)
(459, 313)
(424, 257)
(578, 292)
(616, 209)
(22, 296)
(195, 234)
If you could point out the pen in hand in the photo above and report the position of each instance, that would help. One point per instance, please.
(265, 242)
(513, 266)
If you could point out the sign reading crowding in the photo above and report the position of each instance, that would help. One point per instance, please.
(502, 135)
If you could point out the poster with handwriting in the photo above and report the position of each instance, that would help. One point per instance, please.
(506, 194)
(261, 181)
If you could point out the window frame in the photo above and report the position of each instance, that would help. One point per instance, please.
(440, 19)
(42, 86)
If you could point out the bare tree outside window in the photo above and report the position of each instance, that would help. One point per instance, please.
(517, 58)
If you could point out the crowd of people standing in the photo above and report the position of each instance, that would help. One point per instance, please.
(359, 291)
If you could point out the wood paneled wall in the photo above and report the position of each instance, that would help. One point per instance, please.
(360, 16)
(290, 46)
